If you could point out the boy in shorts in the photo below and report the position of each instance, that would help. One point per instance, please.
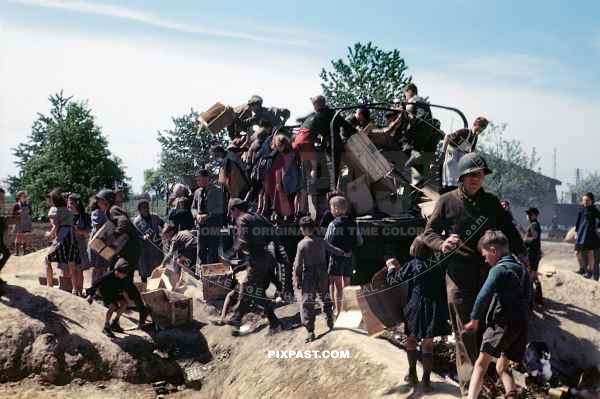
(342, 233)
(508, 287)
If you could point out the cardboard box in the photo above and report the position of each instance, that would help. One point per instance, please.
(217, 117)
(104, 242)
(162, 277)
(169, 309)
(359, 195)
(362, 155)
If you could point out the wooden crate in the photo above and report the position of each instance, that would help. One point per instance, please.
(169, 309)
(362, 154)
(217, 117)
(215, 281)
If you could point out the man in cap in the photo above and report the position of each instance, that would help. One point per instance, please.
(208, 208)
(132, 249)
(253, 236)
(277, 116)
(532, 240)
(459, 220)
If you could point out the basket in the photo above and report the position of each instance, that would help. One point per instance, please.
(169, 309)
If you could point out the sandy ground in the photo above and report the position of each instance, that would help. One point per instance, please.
(570, 323)
(241, 366)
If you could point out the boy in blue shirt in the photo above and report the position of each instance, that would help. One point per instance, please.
(508, 287)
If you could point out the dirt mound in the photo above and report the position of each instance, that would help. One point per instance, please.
(57, 336)
(570, 321)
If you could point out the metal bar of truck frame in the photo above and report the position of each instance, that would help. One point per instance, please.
(380, 107)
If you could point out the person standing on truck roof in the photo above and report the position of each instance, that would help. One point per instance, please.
(421, 136)
(459, 220)
(455, 146)
(318, 124)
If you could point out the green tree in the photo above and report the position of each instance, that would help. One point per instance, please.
(589, 184)
(515, 175)
(153, 182)
(184, 149)
(65, 149)
(369, 74)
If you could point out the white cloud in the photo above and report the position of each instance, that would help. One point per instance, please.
(134, 87)
(147, 18)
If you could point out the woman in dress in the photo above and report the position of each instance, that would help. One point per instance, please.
(587, 236)
(456, 145)
(149, 226)
(82, 223)
(283, 179)
(22, 210)
(64, 245)
(99, 264)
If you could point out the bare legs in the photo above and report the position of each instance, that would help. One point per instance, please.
(336, 290)
(479, 370)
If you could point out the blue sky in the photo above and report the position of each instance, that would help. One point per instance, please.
(531, 64)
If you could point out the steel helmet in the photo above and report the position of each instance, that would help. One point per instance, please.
(472, 162)
(255, 100)
(106, 194)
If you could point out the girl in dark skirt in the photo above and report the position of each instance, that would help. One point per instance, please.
(426, 313)
(82, 224)
(64, 245)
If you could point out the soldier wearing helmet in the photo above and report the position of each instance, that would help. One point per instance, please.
(277, 116)
(459, 220)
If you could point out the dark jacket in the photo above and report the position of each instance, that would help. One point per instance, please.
(210, 200)
(123, 225)
(110, 286)
(586, 227)
(532, 238)
(509, 285)
(469, 218)
(311, 257)
(254, 233)
(319, 124)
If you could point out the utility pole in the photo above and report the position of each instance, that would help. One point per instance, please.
(555, 165)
